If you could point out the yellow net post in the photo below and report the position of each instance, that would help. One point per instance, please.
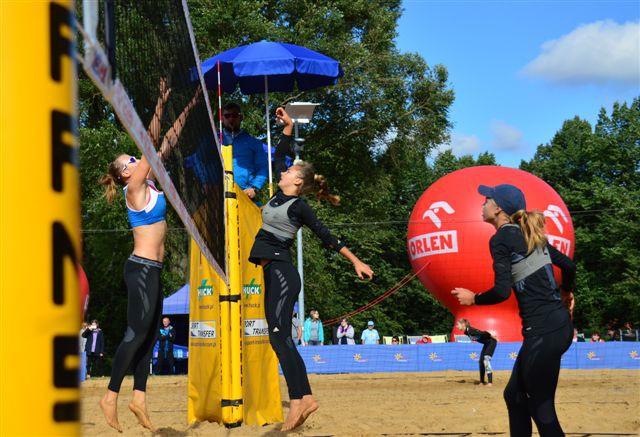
(40, 247)
(230, 320)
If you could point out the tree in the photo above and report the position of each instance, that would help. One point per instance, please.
(596, 172)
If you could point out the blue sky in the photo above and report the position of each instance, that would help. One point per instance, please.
(520, 68)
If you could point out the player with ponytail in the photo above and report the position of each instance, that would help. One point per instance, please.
(146, 210)
(282, 216)
(523, 260)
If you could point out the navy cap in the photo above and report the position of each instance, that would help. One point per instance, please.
(506, 196)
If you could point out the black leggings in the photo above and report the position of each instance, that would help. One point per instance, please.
(530, 393)
(485, 360)
(282, 286)
(144, 310)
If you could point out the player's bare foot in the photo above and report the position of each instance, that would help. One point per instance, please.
(141, 414)
(138, 406)
(296, 409)
(310, 406)
(109, 407)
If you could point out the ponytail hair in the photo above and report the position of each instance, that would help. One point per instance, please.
(111, 181)
(315, 183)
(532, 227)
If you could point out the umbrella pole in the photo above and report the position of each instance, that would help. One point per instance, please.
(266, 114)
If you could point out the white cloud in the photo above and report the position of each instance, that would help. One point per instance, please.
(506, 137)
(600, 52)
(461, 144)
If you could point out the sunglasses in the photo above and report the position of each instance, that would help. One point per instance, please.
(231, 115)
(131, 161)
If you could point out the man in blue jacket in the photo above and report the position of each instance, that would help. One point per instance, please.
(250, 161)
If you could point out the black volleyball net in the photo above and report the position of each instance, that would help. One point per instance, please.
(148, 65)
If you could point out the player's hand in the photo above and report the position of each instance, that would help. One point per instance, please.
(363, 270)
(568, 301)
(283, 117)
(465, 297)
(164, 89)
(251, 192)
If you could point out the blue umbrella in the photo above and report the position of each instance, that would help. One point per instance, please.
(282, 64)
(270, 66)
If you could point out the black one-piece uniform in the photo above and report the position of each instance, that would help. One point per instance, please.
(488, 348)
(546, 328)
(282, 216)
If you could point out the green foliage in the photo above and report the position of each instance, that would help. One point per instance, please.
(596, 171)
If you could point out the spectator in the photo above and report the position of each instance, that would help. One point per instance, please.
(94, 349)
(395, 340)
(83, 340)
(370, 335)
(612, 335)
(345, 333)
(595, 338)
(250, 162)
(165, 347)
(83, 354)
(627, 329)
(576, 337)
(296, 328)
(424, 340)
(312, 332)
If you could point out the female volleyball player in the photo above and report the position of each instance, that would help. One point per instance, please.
(282, 216)
(146, 209)
(523, 259)
(488, 342)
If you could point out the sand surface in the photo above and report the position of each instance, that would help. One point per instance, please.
(602, 402)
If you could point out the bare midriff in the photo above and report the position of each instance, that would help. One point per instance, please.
(148, 240)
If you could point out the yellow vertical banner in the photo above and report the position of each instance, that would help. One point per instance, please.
(261, 384)
(40, 221)
(233, 372)
(204, 389)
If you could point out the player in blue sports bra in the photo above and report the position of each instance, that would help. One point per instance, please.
(146, 210)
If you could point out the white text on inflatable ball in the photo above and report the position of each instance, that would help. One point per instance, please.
(434, 243)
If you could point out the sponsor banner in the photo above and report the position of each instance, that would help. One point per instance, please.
(255, 328)
(260, 381)
(457, 356)
(204, 389)
(206, 329)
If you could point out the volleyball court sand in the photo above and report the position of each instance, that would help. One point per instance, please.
(588, 401)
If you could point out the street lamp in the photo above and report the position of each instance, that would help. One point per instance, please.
(300, 113)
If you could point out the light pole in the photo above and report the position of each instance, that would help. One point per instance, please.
(300, 113)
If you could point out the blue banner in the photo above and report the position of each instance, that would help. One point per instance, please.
(457, 356)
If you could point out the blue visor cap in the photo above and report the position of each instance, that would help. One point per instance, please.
(508, 197)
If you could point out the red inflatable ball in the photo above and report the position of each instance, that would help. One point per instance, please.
(448, 242)
(83, 283)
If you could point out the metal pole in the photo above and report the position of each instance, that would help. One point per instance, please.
(266, 114)
(301, 313)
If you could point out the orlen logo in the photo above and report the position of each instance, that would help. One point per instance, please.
(433, 210)
(434, 243)
(559, 219)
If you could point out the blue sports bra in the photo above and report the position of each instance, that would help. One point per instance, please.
(155, 210)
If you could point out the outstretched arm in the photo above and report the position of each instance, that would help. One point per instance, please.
(172, 135)
(154, 126)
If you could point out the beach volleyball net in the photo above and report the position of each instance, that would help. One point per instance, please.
(142, 56)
